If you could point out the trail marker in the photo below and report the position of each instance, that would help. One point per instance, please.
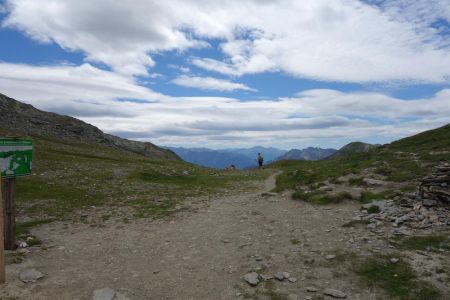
(16, 159)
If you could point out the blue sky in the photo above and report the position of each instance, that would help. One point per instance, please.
(193, 73)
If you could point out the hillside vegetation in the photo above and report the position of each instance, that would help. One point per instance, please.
(403, 162)
(351, 148)
(68, 176)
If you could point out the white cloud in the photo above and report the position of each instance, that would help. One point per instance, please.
(314, 117)
(209, 83)
(341, 40)
(75, 90)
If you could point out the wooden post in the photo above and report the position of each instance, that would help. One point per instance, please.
(10, 214)
(2, 251)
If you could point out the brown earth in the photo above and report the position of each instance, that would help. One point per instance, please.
(201, 254)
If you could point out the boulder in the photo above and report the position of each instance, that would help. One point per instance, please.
(335, 293)
(104, 294)
(30, 275)
(252, 278)
(325, 188)
(279, 276)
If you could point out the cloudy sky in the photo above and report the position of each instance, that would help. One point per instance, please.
(219, 74)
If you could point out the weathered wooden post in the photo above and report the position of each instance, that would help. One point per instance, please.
(2, 252)
(10, 213)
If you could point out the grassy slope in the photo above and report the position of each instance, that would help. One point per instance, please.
(406, 160)
(69, 176)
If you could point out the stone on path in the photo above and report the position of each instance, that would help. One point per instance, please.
(30, 275)
(325, 188)
(374, 182)
(292, 279)
(394, 260)
(104, 294)
(371, 226)
(330, 256)
(335, 293)
(266, 277)
(23, 245)
(312, 289)
(279, 276)
(252, 278)
(381, 204)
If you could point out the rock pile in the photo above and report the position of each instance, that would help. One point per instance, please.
(436, 187)
(428, 207)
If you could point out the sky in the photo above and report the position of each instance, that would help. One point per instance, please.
(236, 73)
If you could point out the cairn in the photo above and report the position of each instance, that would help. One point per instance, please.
(435, 188)
(428, 208)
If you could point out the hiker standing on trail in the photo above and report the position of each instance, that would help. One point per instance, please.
(260, 160)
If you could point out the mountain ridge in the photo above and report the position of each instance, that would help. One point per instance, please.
(309, 153)
(26, 119)
(353, 147)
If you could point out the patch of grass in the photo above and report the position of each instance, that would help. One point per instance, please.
(321, 198)
(55, 199)
(408, 188)
(14, 258)
(198, 179)
(367, 197)
(147, 207)
(398, 280)
(426, 242)
(404, 161)
(373, 209)
(23, 228)
(69, 176)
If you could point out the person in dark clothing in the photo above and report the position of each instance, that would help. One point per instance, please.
(260, 160)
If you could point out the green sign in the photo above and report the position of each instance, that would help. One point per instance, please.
(16, 156)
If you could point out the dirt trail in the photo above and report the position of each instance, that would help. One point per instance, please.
(200, 255)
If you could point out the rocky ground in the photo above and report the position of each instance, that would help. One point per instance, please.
(251, 245)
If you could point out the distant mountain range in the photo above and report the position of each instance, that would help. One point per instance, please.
(241, 158)
(244, 158)
(310, 153)
(269, 153)
(214, 158)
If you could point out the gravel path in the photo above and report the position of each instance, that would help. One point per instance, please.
(195, 255)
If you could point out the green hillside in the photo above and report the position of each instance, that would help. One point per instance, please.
(403, 162)
(433, 140)
(352, 148)
(68, 176)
